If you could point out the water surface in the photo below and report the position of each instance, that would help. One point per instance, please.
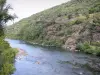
(49, 61)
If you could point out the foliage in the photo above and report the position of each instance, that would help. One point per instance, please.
(96, 19)
(53, 42)
(55, 26)
(72, 22)
(32, 32)
(77, 20)
(95, 8)
(4, 15)
(7, 69)
(7, 54)
(7, 57)
(88, 48)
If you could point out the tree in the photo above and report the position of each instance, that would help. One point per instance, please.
(7, 54)
(4, 15)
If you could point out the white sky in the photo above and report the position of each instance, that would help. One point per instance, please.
(25, 8)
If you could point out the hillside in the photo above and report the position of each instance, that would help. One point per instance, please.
(72, 25)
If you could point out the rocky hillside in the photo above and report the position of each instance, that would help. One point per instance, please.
(72, 25)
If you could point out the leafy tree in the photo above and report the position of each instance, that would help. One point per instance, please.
(7, 54)
(4, 15)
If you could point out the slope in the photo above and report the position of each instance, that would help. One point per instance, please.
(73, 25)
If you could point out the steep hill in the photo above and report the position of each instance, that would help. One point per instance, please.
(72, 25)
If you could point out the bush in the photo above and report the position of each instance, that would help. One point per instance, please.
(96, 19)
(72, 22)
(83, 46)
(80, 19)
(53, 42)
(95, 8)
(7, 69)
(31, 32)
(7, 57)
(78, 22)
(87, 48)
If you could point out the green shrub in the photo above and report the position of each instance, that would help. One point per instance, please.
(87, 48)
(31, 32)
(78, 20)
(53, 42)
(7, 57)
(95, 8)
(72, 22)
(7, 69)
(83, 46)
(96, 19)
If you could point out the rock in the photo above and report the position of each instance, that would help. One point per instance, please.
(38, 62)
(94, 64)
(81, 73)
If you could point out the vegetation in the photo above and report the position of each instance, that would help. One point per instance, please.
(64, 25)
(7, 54)
(88, 48)
(7, 57)
(95, 8)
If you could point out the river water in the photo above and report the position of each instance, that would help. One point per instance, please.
(38, 60)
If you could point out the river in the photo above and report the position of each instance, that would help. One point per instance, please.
(38, 60)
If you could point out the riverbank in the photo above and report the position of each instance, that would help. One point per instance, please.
(92, 64)
(85, 47)
(62, 62)
(80, 47)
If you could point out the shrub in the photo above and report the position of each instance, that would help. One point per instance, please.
(31, 32)
(72, 22)
(87, 48)
(95, 8)
(7, 57)
(70, 16)
(96, 19)
(53, 42)
(80, 19)
(7, 69)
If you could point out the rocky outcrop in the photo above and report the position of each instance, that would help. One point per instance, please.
(72, 40)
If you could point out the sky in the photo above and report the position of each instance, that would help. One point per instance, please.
(26, 8)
